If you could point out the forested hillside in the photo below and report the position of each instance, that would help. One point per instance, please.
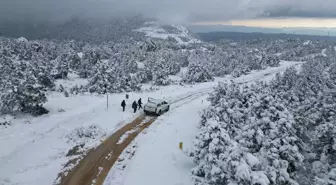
(29, 68)
(281, 132)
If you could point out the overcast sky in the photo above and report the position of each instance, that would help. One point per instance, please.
(176, 11)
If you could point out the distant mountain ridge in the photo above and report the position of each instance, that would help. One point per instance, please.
(178, 33)
(92, 30)
(248, 29)
(100, 30)
(216, 36)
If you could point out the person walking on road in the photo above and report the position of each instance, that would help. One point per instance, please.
(123, 104)
(140, 104)
(135, 106)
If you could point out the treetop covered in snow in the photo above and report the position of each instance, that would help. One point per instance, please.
(282, 132)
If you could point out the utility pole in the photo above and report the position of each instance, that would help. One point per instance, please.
(107, 101)
(106, 96)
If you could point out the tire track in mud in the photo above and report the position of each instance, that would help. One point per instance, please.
(95, 166)
(93, 169)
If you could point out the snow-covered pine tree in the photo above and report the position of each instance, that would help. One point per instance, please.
(254, 59)
(220, 160)
(22, 92)
(310, 97)
(75, 61)
(74, 90)
(323, 129)
(160, 74)
(84, 69)
(332, 73)
(197, 73)
(171, 62)
(247, 137)
(101, 82)
(126, 83)
(61, 68)
(269, 61)
(31, 96)
(91, 56)
(144, 75)
(272, 135)
(181, 57)
(241, 69)
(41, 71)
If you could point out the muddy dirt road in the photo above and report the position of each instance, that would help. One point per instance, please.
(93, 169)
(95, 166)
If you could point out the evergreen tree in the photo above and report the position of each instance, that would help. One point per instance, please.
(160, 74)
(22, 92)
(61, 69)
(197, 73)
(102, 80)
(269, 61)
(247, 137)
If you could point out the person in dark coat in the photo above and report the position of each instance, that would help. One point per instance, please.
(123, 104)
(140, 104)
(135, 106)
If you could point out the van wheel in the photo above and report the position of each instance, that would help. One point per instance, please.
(159, 113)
(168, 108)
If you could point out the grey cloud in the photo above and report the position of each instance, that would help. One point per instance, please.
(301, 8)
(167, 10)
(179, 11)
(299, 13)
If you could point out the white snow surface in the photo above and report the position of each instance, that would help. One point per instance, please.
(33, 150)
(72, 80)
(22, 39)
(158, 159)
(80, 54)
(307, 42)
(181, 34)
(140, 65)
(155, 158)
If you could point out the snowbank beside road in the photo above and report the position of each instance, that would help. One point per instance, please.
(158, 159)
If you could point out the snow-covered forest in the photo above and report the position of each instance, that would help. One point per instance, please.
(29, 68)
(280, 132)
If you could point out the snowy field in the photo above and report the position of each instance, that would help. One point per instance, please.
(34, 149)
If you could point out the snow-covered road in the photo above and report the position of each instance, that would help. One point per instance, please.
(158, 159)
(33, 154)
(154, 156)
